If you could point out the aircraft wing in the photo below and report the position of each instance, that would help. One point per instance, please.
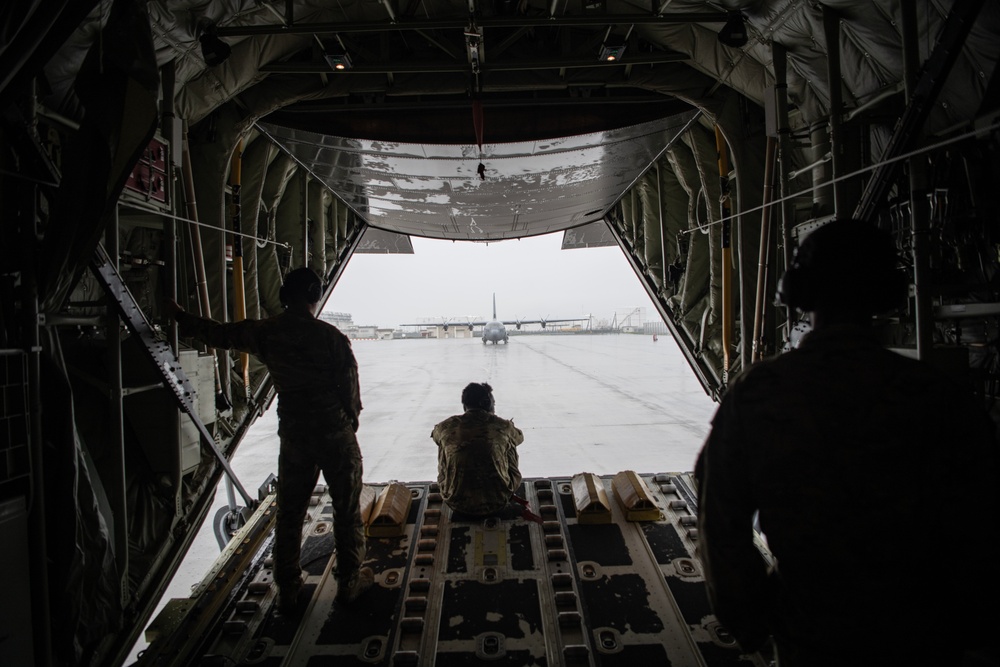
(452, 323)
(545, 321)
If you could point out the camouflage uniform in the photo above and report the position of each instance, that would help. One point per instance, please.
(319, 400)
(477, 461)
(856, 458)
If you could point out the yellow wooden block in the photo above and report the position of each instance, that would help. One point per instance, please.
(591, 499)
(388, 517)
(634, 497)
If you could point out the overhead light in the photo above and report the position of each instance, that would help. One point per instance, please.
(734, 33)
(340, 62)
(213, 50)
(611, 53)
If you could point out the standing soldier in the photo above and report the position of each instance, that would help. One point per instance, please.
(319, 400)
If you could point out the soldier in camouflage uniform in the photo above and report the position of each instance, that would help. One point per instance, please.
(477, 455)
(854, 456)
(319, 401)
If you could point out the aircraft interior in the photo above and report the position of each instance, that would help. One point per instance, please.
(201, 149)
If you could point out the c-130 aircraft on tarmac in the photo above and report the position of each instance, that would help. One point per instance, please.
(495, 331)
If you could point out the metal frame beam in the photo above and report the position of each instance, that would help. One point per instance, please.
(485, 23)
(935, 73)
(160, 354)
(438, 67)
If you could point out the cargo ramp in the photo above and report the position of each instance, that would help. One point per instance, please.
(606, 575)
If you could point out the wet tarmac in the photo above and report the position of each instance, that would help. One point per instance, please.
(586, 403)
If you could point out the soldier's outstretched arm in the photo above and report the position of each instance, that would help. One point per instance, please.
(233, 335)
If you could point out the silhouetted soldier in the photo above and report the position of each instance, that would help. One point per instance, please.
(874, 475)
(319, 400)
(477, 455)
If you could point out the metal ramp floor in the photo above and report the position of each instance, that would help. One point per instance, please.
(452, 590)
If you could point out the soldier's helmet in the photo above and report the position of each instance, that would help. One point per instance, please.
(302, 285)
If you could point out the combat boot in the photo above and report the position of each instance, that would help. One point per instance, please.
(288, 598)
(353, 586)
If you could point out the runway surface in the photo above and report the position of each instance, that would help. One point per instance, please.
(586, 403)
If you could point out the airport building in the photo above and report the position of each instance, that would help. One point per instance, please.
(342, 321)
(345, 323)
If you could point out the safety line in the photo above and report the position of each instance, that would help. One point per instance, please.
(905, 156)
(154, 211)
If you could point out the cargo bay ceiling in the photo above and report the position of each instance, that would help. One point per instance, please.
(491, 120)
(471, 80)
(450, 120)
(468, 120)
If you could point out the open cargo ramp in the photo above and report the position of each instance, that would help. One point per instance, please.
(453, 590)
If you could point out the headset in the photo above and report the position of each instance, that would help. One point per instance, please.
(843, 261)
(795, 289)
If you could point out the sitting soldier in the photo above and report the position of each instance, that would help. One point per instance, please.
(477, 456)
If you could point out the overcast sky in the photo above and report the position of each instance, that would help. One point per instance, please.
(532, 279)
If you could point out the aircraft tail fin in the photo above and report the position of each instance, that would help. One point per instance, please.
(494, 305)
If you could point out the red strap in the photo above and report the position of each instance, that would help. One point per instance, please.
(477, 122)
(528, 515)
(526, 512)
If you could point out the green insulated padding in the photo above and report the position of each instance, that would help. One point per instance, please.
(289, 225)
(651, 248)
(690, 298)
(256, 157)
(271, 257)
(319, 205)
